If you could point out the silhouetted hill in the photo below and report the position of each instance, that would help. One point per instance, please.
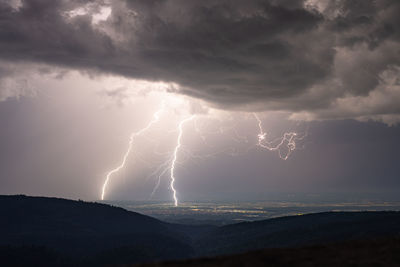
(81, 230)
(301, 230)
(381, 252)
(53, 231)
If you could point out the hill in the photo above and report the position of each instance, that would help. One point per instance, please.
(309, 229)
(53, 231)
(84, 231)
(375, 252)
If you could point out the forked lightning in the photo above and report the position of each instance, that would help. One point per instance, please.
(155, 119)
(286, 143)
(175, 156)
(276, 145)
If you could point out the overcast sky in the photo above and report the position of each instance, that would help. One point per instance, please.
(78, 77)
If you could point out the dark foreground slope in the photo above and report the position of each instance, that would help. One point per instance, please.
(84, 231)
(53, 232)
(380, 252)
(309, 229)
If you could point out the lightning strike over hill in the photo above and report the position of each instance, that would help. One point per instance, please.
(175, 156)
(284, 145)
(155, 119)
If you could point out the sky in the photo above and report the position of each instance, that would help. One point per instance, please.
(212, 99)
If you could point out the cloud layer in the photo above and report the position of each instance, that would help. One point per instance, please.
(316, 59)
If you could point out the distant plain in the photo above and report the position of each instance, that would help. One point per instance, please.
(228, 212)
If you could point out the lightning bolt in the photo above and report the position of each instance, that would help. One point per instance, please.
(155, 119)
(284, 145)
(289, 138)
(161, 171)
(175, 156)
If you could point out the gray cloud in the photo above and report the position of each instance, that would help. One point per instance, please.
(317, 59)
(14, 85)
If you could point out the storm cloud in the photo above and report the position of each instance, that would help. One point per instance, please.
(315, 59)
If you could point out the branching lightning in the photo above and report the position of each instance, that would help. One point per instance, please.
(155, 119)
(161, 171)
(175, 156)
(284, 145)
(288, 138)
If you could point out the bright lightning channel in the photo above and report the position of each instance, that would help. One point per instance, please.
(175, 156)
(276, 144)
(155, 119)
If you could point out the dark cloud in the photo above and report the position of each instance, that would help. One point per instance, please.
(309, 57)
